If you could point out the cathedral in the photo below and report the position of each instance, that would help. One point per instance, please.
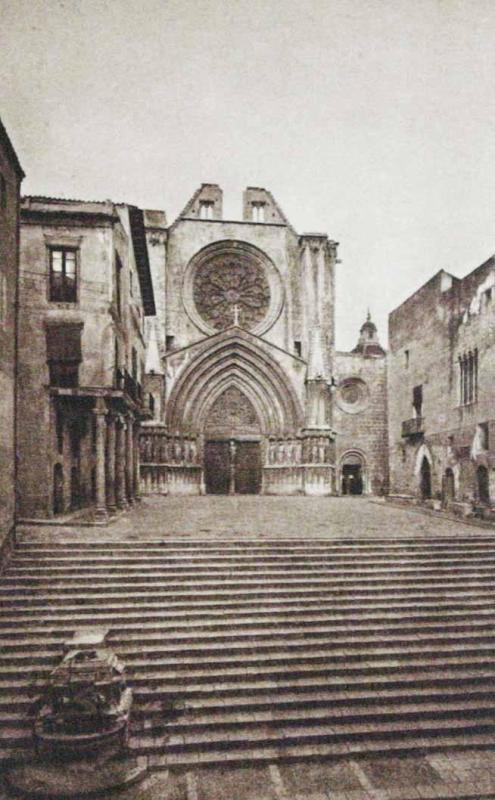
(247, 391)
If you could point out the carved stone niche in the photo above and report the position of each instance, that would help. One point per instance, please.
(232, 283)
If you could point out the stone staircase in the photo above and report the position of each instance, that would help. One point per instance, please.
(256, 650)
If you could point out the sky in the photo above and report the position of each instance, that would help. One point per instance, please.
(370, 121)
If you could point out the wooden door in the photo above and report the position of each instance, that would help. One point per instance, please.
(217, 467)
(247, 467)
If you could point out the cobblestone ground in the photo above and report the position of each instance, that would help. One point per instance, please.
(458, 775)
(268, 517)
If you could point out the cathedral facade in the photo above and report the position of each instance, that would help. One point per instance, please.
(247, 390)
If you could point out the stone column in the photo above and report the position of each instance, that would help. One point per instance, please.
(129, 459)
(100, 413)
(111, 439)
(120, 463)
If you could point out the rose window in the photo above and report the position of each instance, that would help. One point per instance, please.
(230, 290)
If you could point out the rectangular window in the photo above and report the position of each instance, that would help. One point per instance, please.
(484, 435)
(169, 342)
(134, 363)
(3, 192)
(64, 374)
(63, 287)
(406, 359)
(468, 378)
(297, 348)
(418, 400)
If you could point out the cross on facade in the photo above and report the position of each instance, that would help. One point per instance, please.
(236, 310)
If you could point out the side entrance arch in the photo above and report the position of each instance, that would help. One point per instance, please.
(425, 480)
(353, 474)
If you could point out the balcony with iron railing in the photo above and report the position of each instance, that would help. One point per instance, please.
(413, 427)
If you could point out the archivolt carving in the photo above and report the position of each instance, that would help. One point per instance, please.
(234, 360)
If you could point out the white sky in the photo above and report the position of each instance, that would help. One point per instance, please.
(372, 121)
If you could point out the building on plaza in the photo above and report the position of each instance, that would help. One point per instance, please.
(249, 394)
(441, 386)
(11, 175)
(85, 290)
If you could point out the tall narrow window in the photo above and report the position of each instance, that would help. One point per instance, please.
(298, 348)
(3, 192)
(63, 275)
(418, 400)
(406, 359)
(258, 212)
(468, 377)
(206, 209)
(118, 283)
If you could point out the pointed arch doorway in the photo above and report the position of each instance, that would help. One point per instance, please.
(232, 445)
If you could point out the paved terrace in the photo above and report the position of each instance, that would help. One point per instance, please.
(263, 517)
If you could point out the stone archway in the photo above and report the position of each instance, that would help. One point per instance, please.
(232, 445)
(234, 358)
(233, 396)
(425, 479)
(353, 473)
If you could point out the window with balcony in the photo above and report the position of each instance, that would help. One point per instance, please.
(63, 283)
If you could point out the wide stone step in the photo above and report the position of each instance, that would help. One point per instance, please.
(146, 656)
(248, 542)
(294, 562)
(23, 646)
(284, 735)
(209, 574)
(244, 590)
(339, 606)
(159, 671)
(242, 755)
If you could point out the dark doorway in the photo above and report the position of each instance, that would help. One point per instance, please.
(247, 467)
(75, 489)
(58, 489)
(448, 487)
(425, 479)
(483, 485)
(217, 467)
(232, 467)
(352, 479)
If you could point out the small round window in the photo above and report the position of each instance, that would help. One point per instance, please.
(352, 395)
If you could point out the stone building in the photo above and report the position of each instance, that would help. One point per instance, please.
(85, 289)
(441, 386)
(248, 392)
(11, 175)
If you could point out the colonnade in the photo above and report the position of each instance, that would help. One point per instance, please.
(116, 459)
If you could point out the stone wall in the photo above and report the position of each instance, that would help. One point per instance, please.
(10, 179)
(360, 418)
(444, 320)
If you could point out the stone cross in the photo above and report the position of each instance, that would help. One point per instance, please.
(236, 314)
